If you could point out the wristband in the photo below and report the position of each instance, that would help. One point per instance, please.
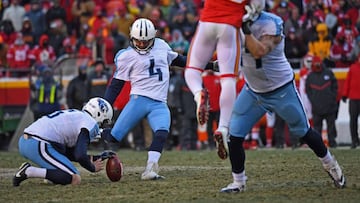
(246, 27)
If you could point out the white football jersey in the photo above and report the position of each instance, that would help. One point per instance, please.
(64, 127)
(272, 70)
(149, 73)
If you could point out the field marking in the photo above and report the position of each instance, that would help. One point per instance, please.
(9, 172)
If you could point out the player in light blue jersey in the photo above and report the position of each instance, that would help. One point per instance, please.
(269, 87)
(55, 140)
(145, 63)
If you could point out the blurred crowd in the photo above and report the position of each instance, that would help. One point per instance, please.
(34, 33)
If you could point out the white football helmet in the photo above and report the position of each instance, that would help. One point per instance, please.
(142, 30)
(99, 109)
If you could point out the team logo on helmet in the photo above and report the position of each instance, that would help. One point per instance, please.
(103, 106)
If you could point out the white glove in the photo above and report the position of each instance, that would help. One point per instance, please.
(251, 13)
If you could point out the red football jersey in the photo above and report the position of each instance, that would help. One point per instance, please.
(224, 11)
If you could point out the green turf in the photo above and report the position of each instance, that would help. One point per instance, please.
(197, 176)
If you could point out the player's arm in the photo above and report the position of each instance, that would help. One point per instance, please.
(180, 61)
(80, 155)
(261, 47)
(113, 90)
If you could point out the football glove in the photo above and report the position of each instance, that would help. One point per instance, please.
(107, 154)
(251, 13)
(246, 27)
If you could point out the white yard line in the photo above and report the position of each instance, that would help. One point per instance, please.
(9, 172)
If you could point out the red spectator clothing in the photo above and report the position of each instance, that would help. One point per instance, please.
(351, 88)
(303, 72)
(350, 34)
(102, 3)
(224, 11)
(353, 14)
(85, 51)
(113, 6)
(67, 5)
(108, 42)
(42, 55)
(341, 54)
(18, 56)
(9, 38)
(212, 84)
(97, 24)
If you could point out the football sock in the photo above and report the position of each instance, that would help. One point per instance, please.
(239, 177)
(227, 99)
(193, 80)
(327, 158)
(58, 177)
(159, 141)
(153, 156)
(313, 139)
(237, 154)
(34, 172)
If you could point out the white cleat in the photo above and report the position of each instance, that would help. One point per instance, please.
(151, 172)
(234, 187)
(335, 172)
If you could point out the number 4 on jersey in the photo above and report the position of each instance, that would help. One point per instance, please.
(152, 71)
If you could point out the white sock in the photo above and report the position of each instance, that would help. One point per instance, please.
(227, 100)
(327, 158)
(239, 177)
(34, 172)
(153, 156)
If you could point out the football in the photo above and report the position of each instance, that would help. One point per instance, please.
(114, 169)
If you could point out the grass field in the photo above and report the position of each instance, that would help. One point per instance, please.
(281, 175)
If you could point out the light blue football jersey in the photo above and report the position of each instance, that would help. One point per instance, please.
(272, 70)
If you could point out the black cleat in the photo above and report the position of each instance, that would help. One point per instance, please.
(20, 174)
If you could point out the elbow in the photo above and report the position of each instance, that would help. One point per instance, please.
(80, 158)
(260, 52)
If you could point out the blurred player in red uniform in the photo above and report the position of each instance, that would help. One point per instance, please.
(218, 30)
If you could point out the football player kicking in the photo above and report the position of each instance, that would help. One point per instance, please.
(269, 87)
(145, 63)
(55, 140)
